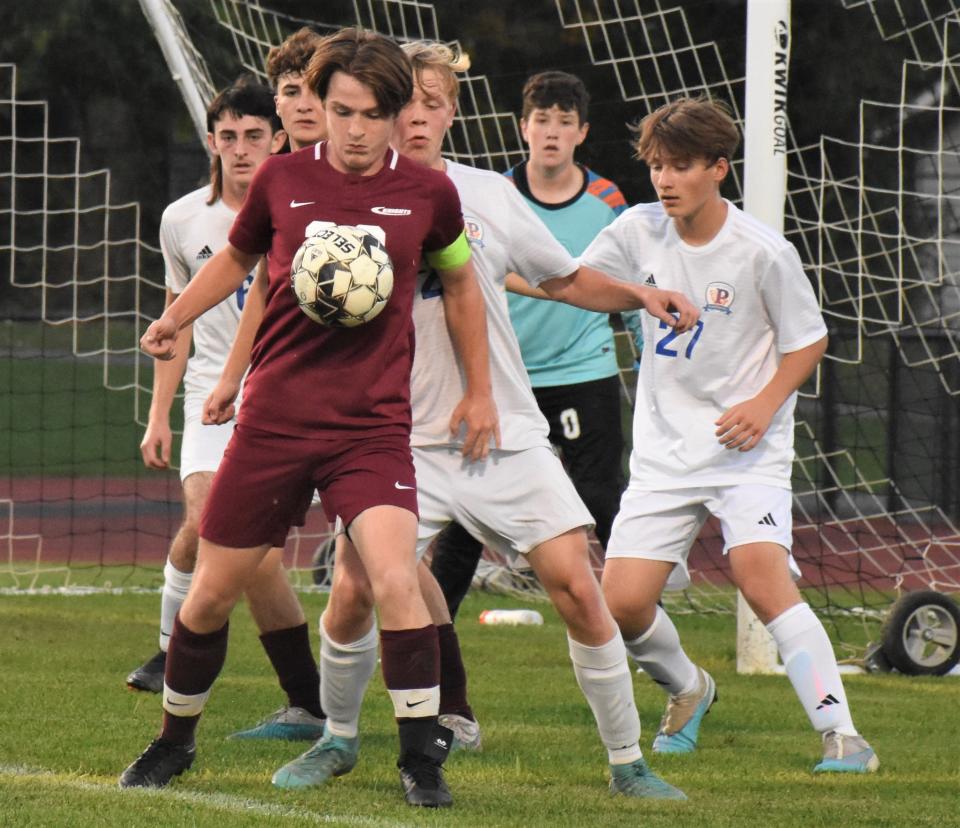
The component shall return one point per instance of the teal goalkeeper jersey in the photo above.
(560, 344)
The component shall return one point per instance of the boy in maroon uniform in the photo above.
(329, 409)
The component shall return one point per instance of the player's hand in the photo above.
(671, 307)
(743, 425)
(155, 445)
(219, 407)
(478, 413)
(160, 339)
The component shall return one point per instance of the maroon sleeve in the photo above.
(252, 230)
(447, 215)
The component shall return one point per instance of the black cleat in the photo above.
(158, 764)
(149, 676)
(423, 783)
(424, 745)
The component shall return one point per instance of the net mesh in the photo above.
(874, 219)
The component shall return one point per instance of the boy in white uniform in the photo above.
(243, 131)
(518, 499)
(713, 425)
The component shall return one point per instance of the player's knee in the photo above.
(395, 588)
(208, 606)
(578, 598)
(350, 602)
(345, 621)
(620, 600)
(769, 600)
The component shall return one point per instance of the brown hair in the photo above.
(245, 96)
(446, 61)
(293, 55)
(373, 59)
(554, 88)
(687, 128)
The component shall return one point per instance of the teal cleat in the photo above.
(291, 724)
(330, 756)
(680, 725)
(637, 780)
(846, 754)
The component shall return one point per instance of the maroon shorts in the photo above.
(266, 481)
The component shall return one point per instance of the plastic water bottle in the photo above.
(513, 618)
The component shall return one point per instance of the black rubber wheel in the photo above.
(321, 567)
(921, 636)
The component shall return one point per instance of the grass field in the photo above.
(68, 727)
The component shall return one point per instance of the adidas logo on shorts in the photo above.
(767, 520)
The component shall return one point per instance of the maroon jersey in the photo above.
(309, 380)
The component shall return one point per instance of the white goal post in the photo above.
(764, 196)
(187, 67)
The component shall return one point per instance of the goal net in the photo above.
(871, 206)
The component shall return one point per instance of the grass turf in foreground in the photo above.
(68, 727)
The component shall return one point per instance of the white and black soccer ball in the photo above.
(342, 276)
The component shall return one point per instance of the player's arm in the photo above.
(596, 291)
(219, 407)
(157, 439)
(214, 282)
(466, 315)
(743, 425)
(515, 283)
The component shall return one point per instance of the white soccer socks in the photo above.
(176, 585)
(603, 674)
(659, 653)
(345, 672)
(811, 665)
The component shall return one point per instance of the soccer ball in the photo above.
(342, 276)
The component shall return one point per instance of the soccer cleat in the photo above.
(291, 724)
(466, 732)
(330, 756)
(149, 676)
(846, 754)
(158, 764)
(637, 780)
(423, 784)
(680, 724)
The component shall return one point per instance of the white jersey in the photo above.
(191, 231)
(756, 305)
(505, 235)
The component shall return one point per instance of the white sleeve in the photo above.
(176, 272)
(791, 303)
(610, 253)
(533, 252)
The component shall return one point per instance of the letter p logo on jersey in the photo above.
(719, 297)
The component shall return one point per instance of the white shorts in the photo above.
(662, 525)
(203, 445)
(512, 502)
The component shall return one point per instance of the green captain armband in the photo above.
(451, 256)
